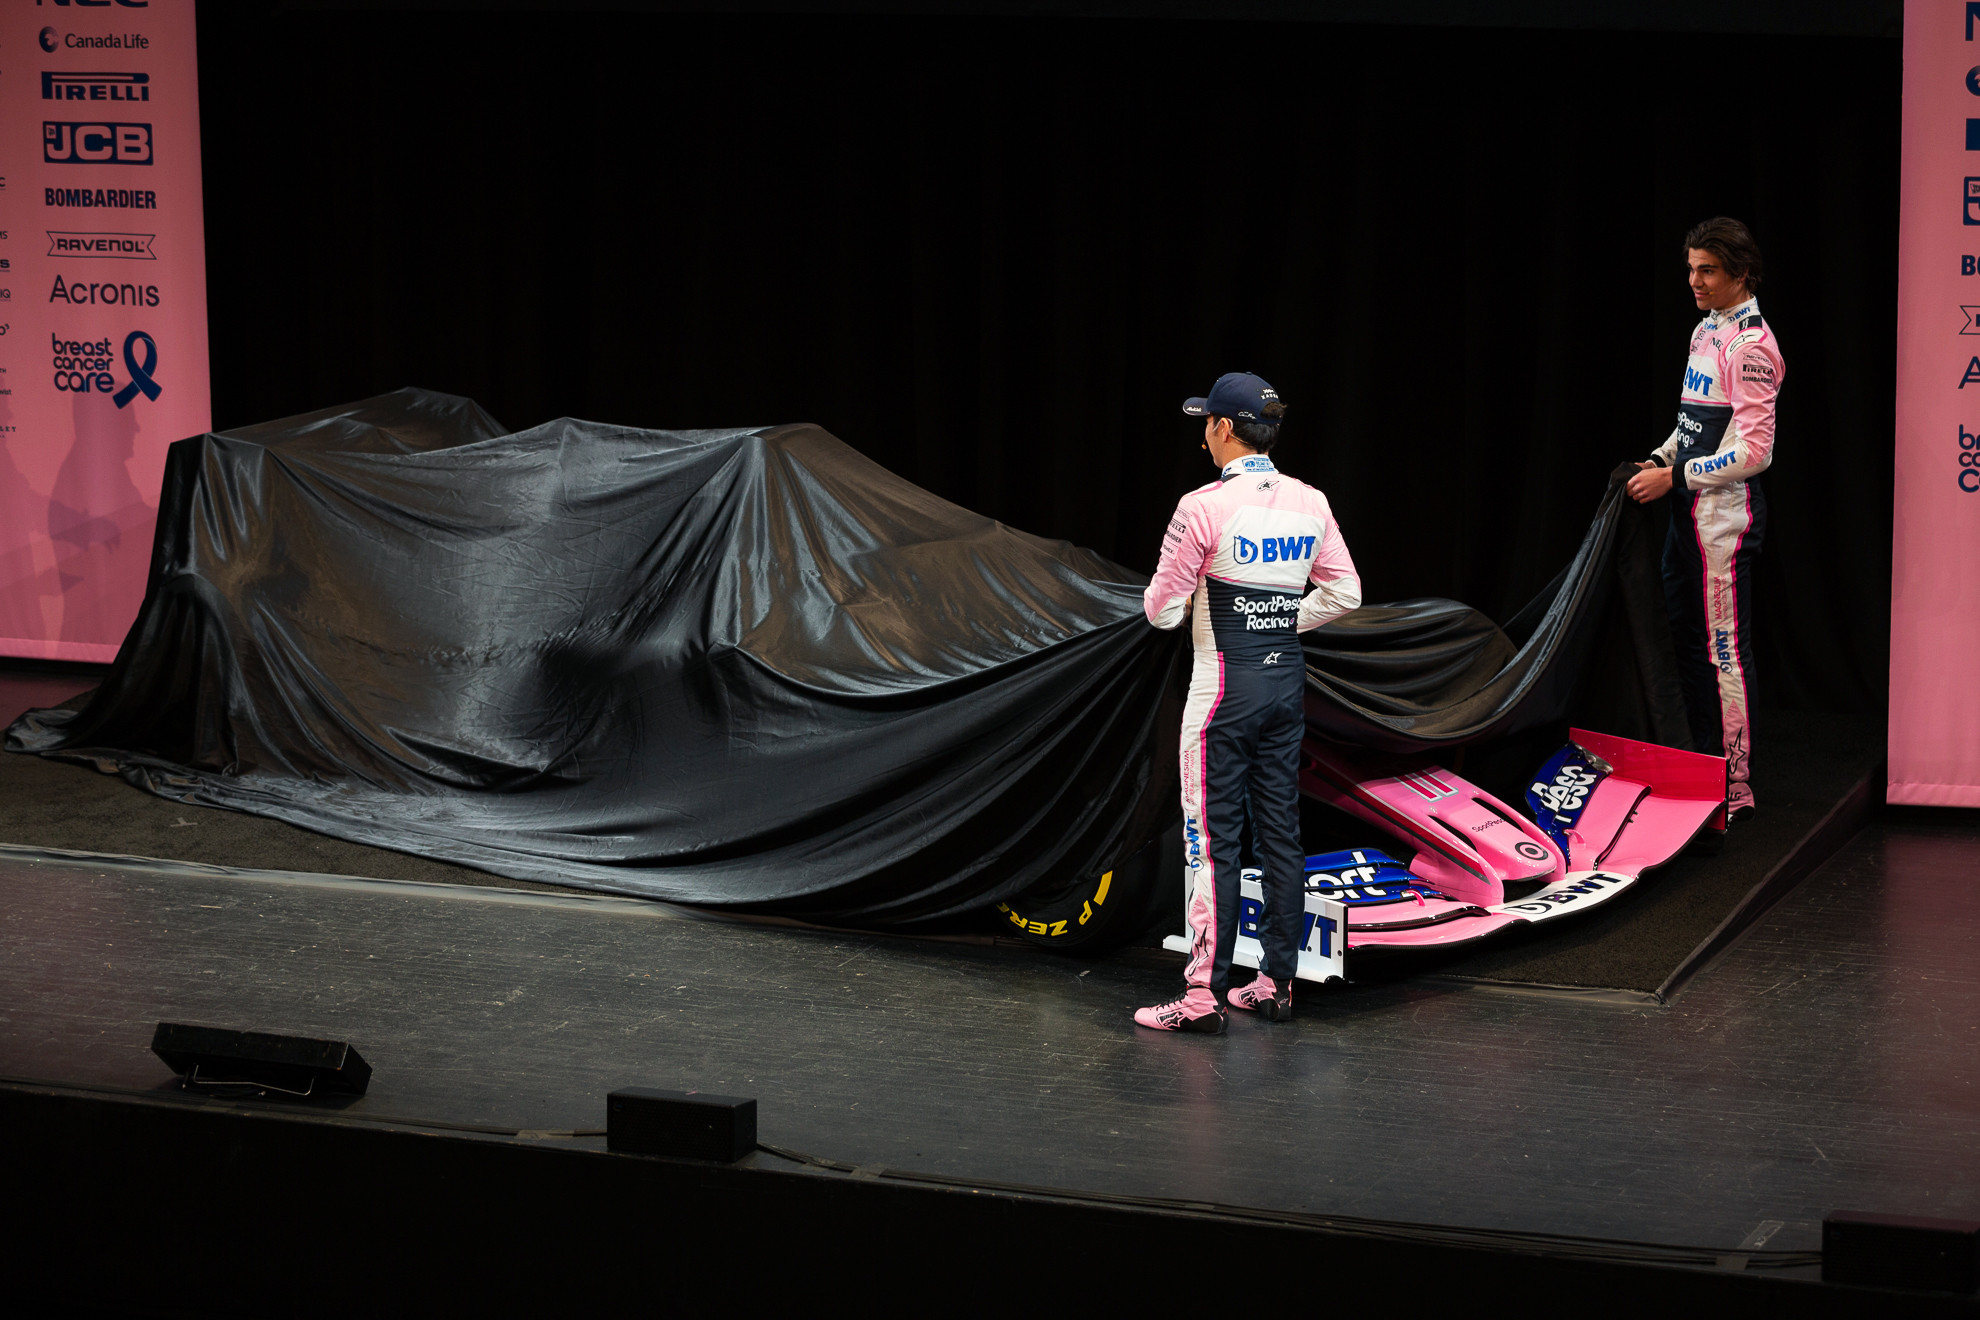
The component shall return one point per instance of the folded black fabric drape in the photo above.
(746, 668)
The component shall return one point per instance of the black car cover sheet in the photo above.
(1422, 676)
(743, 668)
(748, 668)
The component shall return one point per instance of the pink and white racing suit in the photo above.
(1237, 559)
(1724, 440)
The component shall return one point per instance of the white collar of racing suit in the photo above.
(1246, 465)
(1738, 312)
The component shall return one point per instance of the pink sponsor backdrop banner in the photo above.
(103, 307)
(1935, 583)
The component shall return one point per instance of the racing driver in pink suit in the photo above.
(1712, 463)
(1237, 562)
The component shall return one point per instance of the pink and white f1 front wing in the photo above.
(1623, 807)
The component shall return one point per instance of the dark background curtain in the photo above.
(995, 253)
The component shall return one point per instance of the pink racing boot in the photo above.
(1271, 998)
(1197, 1010)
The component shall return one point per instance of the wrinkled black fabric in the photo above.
(1425, 675)
(746, 668)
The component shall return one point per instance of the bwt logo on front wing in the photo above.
(1272, 549)
(95, 144)
(95, 86)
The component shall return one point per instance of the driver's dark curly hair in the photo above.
(1732, 243)
(1260, 435)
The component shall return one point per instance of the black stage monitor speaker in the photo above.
(1901, 1251)
(687, 1123)
(290, 1065)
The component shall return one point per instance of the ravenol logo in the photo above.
(95, 144)
(95, 86)
(1697, 381)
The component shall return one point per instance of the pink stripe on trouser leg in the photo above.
(1727, 529)
(1206, 690)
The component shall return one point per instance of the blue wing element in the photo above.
(1560, 792)
(1361, 876)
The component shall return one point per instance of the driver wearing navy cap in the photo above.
(1250, 561)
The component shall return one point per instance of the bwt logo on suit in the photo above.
(76, 143)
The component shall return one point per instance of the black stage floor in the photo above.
(1827, 1062)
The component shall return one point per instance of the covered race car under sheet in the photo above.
(745, 668)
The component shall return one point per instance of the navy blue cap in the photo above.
(1240, 396)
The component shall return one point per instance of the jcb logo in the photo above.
(95, 144)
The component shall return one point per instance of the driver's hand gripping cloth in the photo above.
(1724, 440)
(1237, 560)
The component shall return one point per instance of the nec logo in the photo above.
(95, 144)
(1272, 549)
(95, 86)
(1697, 381)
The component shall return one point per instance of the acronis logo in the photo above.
(1697, 381)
